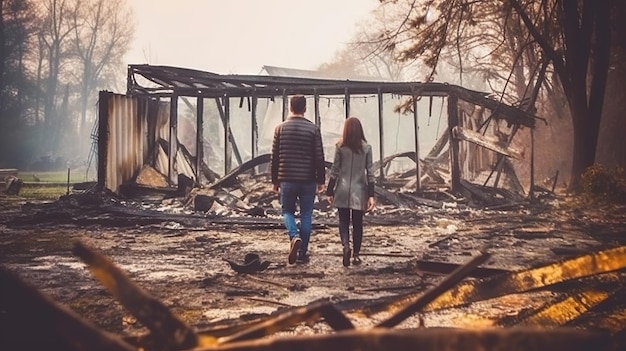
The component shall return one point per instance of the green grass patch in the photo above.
(51, 177)
(43, 192)
(48, 185)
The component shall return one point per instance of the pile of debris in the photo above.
(596, 299)
(10, 184)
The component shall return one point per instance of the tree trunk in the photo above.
(49, 109)
(2, 48)
(586, 116)
(585, 141)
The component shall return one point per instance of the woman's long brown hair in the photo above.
(353, 136)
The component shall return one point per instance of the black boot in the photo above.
(346, 255)
(347, 252)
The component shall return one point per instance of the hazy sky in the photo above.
(241, 36)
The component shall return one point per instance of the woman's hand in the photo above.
(370, 203)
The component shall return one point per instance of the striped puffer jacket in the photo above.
(297, 152)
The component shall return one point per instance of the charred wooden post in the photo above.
(228, 159)
(381, 133)
(316, 104)
(531, 191)
(173, 137)
(199, 138)
(418, 184)
(103, 137)
(499, 163)
(229, 139)
(453, 121)
(254, 127)
(346, 95)
(285, 105)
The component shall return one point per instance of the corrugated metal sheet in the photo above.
(127, 143)
(133, 139)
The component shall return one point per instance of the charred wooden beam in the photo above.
(173, 137)
(499, 110)
(30, 320)
(565, 309)
(455, 164)
(313, 311)
(447, 268)
(427, 297)
(434, 339)
(487, 142)
(170, 330)
(380, 165)
(199, 138)
(230, 178)
(596, 263)
(229, 138)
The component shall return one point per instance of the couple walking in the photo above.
(298, 173)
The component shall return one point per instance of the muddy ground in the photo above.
(180, 261)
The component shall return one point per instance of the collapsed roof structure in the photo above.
(176, 124)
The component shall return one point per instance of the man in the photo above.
(297, 173)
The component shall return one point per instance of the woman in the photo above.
(351, 186)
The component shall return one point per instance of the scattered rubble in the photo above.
(214, 256)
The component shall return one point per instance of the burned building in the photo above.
(177, 126)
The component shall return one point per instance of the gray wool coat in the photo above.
(351, 178)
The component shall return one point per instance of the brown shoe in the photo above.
(293, 249)
(346, 256)
(356, 260)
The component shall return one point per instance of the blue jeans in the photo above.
(302, 194)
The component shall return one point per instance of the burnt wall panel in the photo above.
(126, 142)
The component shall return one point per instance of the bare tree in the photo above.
(375, 60)
(54, 35)
(579, 53)
(103, 30)
(365, 57)
(573, 35)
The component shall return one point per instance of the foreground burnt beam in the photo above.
(433, 267)
(433, 339)
(565, 308)
(171, 332)
(609, 315)
(31, 320)
(431, 294)
(312, 312)
(336, 320)
(596, 263)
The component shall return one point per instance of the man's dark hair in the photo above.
(298, 104)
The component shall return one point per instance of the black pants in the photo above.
(357, 227)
